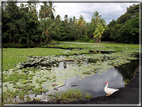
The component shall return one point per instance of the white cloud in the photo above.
(108, 11)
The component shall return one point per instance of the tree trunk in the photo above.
(40, 40)
(9, 38)
(94, 39)
(99, 40)
(78, 36)
(81, 32)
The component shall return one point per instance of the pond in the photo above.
(41, 76)
(94, 84)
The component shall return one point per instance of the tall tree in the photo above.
(49, 28)
(95, 18)
(51, 10)
(66, 18)
(58, 18)
(74, 20)
(44, 10)
(81, 22)
(20, 26)
(101, 26)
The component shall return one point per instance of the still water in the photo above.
(95, 84)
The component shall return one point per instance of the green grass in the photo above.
(12, 56)
(70, 95)
(99, 46)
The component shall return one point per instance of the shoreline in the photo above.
(126, 95)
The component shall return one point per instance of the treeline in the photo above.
(126, 28)
(23, 25)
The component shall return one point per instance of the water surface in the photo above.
(95, 84)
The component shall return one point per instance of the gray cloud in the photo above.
(108, 11)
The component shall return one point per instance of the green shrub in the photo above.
(53, 42)
(86, 38)
(41, 44)
(91, 41)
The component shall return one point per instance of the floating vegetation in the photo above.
(69, 95)
(42, 73)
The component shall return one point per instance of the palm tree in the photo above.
(66, 18)
(74, 20)
(47, 26)
(95, 17)
(51, 10)
(35, 4)
(71, 21)
(100, 29)
(58, 18)
(44, 11)
(31, 8)
(81, 22)
(102, 22)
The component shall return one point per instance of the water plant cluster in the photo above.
(103, 46)
(69, 95)
(40, 73)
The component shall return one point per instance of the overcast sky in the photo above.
(108, 11)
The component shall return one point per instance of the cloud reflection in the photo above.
(95, 84)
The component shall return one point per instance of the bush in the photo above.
(41, 44)
(53, 42)
(91, 41)
(86, 39)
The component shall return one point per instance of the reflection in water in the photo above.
(127, 70)
(95, 84)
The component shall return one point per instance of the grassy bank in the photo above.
(11, 56)
(100, 46)
(34, 79)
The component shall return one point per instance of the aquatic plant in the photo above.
(37, 99)
(21, 95)
(87, 72)
(126, 81)
(42, 72)
(69, 95)
(87, 95)
(28, 98)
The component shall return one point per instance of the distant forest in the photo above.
(22, 25)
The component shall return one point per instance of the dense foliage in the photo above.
(126, 28)
(23, 25)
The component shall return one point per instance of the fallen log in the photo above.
(66, 60)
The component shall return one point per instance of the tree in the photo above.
(100, 29)
(51, 10)
(118, 30)
(66, 18)
(44, 11)
(47, 25)
(81, 22)
(58, 18)
(129, 34)
(98, 32)
(71, 21)
(10, 11)
(95, 18)
(49, 28)
(20, 26)
(74, 20)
